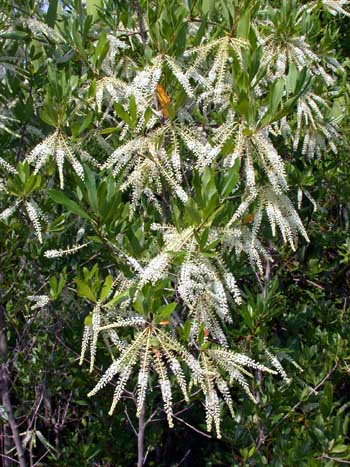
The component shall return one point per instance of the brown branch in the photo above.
(192, 427)
(141, 438)
(184, 458)
(4, 389)
(130, 421)
(142, 29)
(335, 459)
(11, 459)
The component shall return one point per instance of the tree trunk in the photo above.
(4, 391)
(141, 438)
(6, 445)
(142, 29)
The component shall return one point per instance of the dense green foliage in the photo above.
(298, 307)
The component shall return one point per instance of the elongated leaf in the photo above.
(231, 179)
(166, 310)
(52, 13)
(83, 290)
(71, 205)
(106, 288)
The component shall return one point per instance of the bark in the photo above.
(141, 438)
(142, 29)
(6, 445)
(5, 393)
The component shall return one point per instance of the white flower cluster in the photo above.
(277, 365)
(34, 216)
(199, 146)
(38, 27)
(33, 212)
(7, 166)
(115, 89)
(281, 213)
(242, 240)
(40, 301)
(215, 81)
(152, 167)
(293, 48)
(151, 348)
(60, 253)
(311, 122)
(335, 7)
(214, 362)
(203, 291)
(115, 45)
(179, 75)
(60, 148)
(257, 147)
(6, 213)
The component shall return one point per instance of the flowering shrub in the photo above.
(160, 142)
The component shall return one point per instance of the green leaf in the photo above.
(231, 178)
(19, 35)
(83, 290)
(326, 402)
(276, 95)
(90, 183)
(32, 183)
(243, 104)
(207, 6)
(58, 224)
(251, 451)
(186, 329)
(57, 286)
(291, 79)
(86, 122)
(107, 131)
(192, 212)
(117, 298)
(72, 206)
(49, 115)
(201, 334)
(101, 49)
(92, 7)
(106, 288)
(165, 311)
(133, 111)
(243, 25)
(52, 13)
(339, 448)
(139, 303)
(122, 113)
(208, 184)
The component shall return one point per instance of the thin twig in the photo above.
(42, 457)
(192, 427)
(336, 459)
(318, 286)
(9, 458)
(150, 418)
(184, 457)
(312, 391)
(129, 420)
